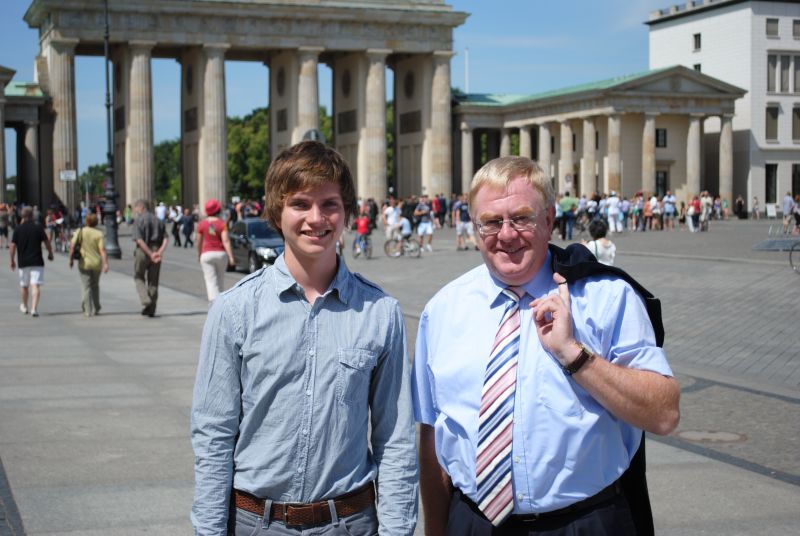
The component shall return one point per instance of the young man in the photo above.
(424, 213)
(302, 397)
(529, 417)
(27, 245)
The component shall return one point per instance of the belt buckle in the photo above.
(284, 513)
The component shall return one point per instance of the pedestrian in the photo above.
(613, 206)
(601, 247)
(187, 228)
(555, 407)
(26, 245)
(5, 222)
(669, 201)
(294, 432)
(424, 214)
(214, 249)
(93, 259)
(175, 218)
(788, 210)
(149, 234)
(755, 209)
(682, 216)
(464, 226)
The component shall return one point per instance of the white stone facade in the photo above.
(734, 47)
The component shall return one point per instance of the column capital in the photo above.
(31, 123)
(142, 45)
(377, 53)
(727, 116)
(310, 51)
(651, 114)
(216, 46)
(465, 128)
(697, 116)
(64, 44)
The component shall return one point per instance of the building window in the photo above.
(697, 41)
(662, 182)
(696, 67)
(796, 123)
(772, 66)
(796, 179)
(771, 183)
(597, 140)
(552, 145)
(661, 137)
(573, 143)
(772, 122)
(785, 60)
(772, 27)
(797, 74)
(796, 28)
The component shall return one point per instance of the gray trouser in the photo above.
(90, 283)
(145, 274)
(363, 523)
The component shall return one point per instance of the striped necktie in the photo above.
(496, 417)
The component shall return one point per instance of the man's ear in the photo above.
(550, 217)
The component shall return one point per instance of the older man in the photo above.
(532, 394)
(150, 236)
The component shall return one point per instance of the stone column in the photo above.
(307, 92)
(726, 159)
(525, 145)
(61, 66)
(566, 164)
(375, 138)
(693, 148)
(614, 153)
(544, 149)
(649, 154)
(467, 159)
(589, 163)
(139, 161)
(31, 165)
(214, 136)
(440, 180)
(505, 141)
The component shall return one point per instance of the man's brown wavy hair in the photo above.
(302, 167)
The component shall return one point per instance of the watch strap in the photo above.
(579, 361)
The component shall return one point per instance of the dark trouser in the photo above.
(607, 518)
(145, 274)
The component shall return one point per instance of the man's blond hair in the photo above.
(499, 173)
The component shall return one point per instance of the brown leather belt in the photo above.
(308, 514)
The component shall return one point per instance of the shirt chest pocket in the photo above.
(353, 375)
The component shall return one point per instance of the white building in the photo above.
(754, 45)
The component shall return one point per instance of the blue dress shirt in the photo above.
(566, 446)
(287, 391)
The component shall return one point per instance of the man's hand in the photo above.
(553, 320)
(50, 256)
(13, 265)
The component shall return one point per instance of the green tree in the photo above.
(168, 174)
(94, 178)
(326, 125)
(248, 153)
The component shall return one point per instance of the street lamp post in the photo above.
(110, 205)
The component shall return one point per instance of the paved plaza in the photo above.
(94, 413)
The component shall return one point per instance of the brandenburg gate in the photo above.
(358, 39)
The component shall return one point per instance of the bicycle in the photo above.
(395, 247)
(362, 244)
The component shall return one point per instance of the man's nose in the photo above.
(507, 231)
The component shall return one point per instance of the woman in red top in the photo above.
(213, 249)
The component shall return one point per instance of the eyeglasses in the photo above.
(519, 223)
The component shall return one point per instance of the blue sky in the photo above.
(515, 46)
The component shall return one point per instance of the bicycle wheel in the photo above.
(391, 248)
(413, 249)
(794, 257)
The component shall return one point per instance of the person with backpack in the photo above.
(532, 394)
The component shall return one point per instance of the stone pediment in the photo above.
(677, 81)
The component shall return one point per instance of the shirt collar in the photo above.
(539, 286)
(341, 283)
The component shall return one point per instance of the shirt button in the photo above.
(516, 459)
(305, 431)
(300, 470)
(520, 496)
(311, 352)
(308, 392)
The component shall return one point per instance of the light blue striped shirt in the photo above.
(566, 446)
(290, 396)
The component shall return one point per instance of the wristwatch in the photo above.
(579, 361)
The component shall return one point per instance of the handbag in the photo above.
(76, 252)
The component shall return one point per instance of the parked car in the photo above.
(254, 244)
